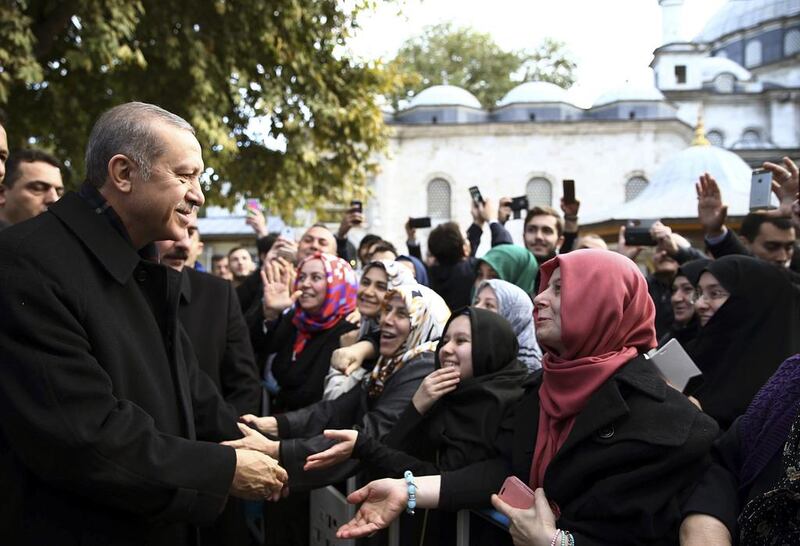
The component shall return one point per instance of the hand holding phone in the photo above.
(637, 233)
(569, 191)
(761, 190)
(415, 223)
(476, 195)
(253, 207)
(515, 493)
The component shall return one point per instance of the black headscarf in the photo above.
(465, 422)
(748, 337)
(685, 333)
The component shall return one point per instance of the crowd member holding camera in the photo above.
(613, 448)
(353, 217)
(749, 315)
(768, 235)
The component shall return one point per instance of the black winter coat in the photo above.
(102, 406)
(633, 454)
(302, 381)
(209, 310)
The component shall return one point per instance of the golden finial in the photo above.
(700, 130)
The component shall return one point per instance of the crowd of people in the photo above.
(146, 401)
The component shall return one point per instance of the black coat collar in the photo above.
(115, 254)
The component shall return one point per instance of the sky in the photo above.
(612, 41)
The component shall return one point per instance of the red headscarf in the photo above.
(340, 299)
(607, 318)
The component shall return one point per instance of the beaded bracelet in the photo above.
(412, 492)
(566, 538)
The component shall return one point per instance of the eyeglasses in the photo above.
(712, 294)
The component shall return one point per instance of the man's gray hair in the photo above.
(127, 129)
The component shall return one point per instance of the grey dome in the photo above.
(741, 14)
(444, 95)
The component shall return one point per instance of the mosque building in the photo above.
(633, 153)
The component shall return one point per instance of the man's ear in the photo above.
(120, 173)
(560, 242)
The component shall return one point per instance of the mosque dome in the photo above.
(671, 192)
(531, 92)
(629, 92)
(444, 95)
(737, 15)
(712, 67)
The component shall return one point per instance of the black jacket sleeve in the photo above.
(687, 254)
(730, 244)
(375, 421)
(569, 242)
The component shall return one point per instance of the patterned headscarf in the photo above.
(428, 314)
(340, 299)
(516, 307)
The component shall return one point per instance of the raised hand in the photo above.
(785, 185)
(411, 233)
(383, 501)
(335, 454)
(710, 210)
(255, 219)
(255, 441)
(664, 236)
(435, 385)
(504, 210)
(345, 360)
(266, 425)
(277, 277)
(535, 526)
(257, 476)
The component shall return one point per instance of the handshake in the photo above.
(258, 475)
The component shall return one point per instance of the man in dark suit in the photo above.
(209, 311)
(108, 431)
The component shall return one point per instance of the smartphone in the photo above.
(518, 204)
(515, 493)
(675, 364)
(356, 206)
(476, 195)
(424, 222)
(288, 254)
(761, 190)
(253, 206)
(569, 190)
(637, 233)
(287, 233)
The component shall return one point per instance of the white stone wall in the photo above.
(501, 158)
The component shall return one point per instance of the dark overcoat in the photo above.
(108, 432)
(209, 310)
(631, 458)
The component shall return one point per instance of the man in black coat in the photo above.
(209, 311)
(108, 431)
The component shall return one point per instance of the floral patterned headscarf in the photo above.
(428, 314)
(340, 299)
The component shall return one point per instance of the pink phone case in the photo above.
(515, 493)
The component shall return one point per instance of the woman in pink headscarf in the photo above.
(607, 446)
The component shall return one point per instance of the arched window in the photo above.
(540, 192)
(716, 138)
(791, 42)
(752, 53)
(439, 199)
(751, 138)
(725, 82)
(634, 186)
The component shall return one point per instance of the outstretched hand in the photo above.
(345, 360)
(335, 454)
(383, 501)
(535, 526)
(785, 186)
(630, 251)
(277, 277)
(254, 441)
(266, 425)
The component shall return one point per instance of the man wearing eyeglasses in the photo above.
(32, 183)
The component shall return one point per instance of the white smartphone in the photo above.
(675, 364)
(761, 190)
